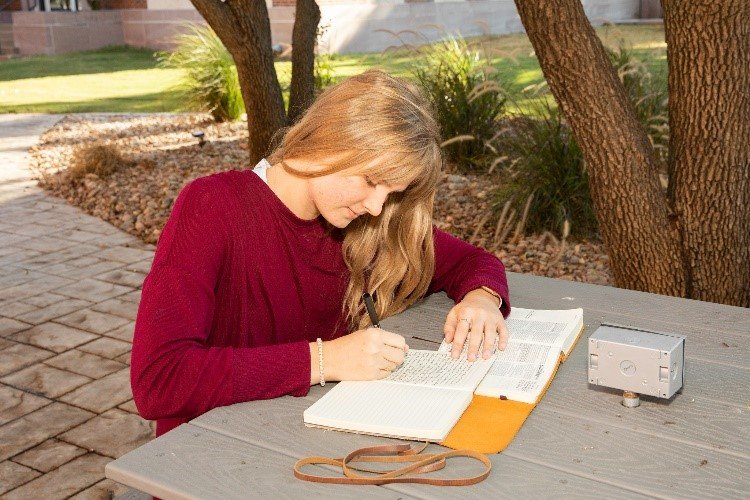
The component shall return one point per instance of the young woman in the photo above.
(255, 289)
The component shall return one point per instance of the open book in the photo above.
(536, 340)
(428, 393)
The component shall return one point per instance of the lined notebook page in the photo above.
(378, 407)
(439, 369)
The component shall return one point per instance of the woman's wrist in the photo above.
(314, 372)
(486, 293)
(324, 369)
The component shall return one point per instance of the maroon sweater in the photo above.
(239, 287)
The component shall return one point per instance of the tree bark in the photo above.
(636, 223)
(304, 34)
(245, 30)
(708, 52)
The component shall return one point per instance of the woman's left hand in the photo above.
(478, 318)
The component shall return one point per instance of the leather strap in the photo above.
(395, 453)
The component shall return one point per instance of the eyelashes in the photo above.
(372, 183)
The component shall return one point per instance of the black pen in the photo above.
(370, 306)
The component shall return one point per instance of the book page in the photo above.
(544, 332)
(388, 409)
(548, 327)
(536, 338)
(520, 372)
(438, 369)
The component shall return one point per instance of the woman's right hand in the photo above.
(366, 354)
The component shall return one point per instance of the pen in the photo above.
(370, 306)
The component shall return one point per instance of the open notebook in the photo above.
(424, 398)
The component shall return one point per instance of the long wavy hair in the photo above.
(379, 126)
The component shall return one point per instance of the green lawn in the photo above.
(110, 79)
(123, 79)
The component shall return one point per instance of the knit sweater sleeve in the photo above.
(461, 268)
(174, 372)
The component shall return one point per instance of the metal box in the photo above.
(634, 360)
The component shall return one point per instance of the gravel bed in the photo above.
(162, 156)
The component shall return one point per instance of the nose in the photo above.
(375, 200)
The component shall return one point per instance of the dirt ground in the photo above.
(160, 155)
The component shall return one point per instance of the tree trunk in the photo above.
(636, 223)
(245, 30)
(708, 49)
(302, 93)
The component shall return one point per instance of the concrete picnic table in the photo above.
(579, 441)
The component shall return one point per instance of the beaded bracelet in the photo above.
(320, 362)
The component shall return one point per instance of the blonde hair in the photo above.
(381, 127)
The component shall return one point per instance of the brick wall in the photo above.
(351, 29)
(61, 32)
(14, 5)
(292, 3)
(124, 4)
(156, 29)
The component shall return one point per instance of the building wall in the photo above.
(170, 5)
(156, 28)
(61, 32)
(7, 46)
(372, 27)
(186, 4)
(349, 26)
(12, 6)
(125, 4)
(369, 25)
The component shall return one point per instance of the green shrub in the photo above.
(546, 164)
(323, 70)
(210, 83)
(467, 98)
(543, 160)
